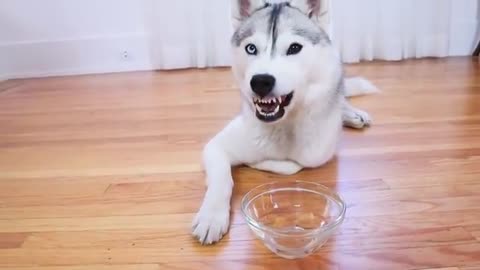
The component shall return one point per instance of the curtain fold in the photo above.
(401, 29)
(185, 33)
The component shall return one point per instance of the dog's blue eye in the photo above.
(251, 49)
(294, 49)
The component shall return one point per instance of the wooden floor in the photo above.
(104, 172)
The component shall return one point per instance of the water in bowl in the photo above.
(290, 220)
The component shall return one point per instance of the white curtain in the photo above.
(187, 33)
(400, 29)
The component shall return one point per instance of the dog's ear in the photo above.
(317, 10)
(242, 9)
(313, 8)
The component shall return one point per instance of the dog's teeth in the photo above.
(276, 109)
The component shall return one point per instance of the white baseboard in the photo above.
(75, 56)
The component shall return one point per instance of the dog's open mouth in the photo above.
(270, 109)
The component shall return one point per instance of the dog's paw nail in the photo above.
(364, 119)
(210, 226)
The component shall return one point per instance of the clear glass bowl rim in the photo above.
(325, 191)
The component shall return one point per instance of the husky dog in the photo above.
(294, 102)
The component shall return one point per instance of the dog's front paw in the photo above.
(363, 118)
(210, 225)
(357, 119)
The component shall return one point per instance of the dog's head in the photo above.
(279, 49)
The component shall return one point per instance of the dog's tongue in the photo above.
(268, 108)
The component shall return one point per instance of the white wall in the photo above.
(465, 28)
(51, 37)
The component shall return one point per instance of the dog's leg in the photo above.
(353, 117)
(220, 154)
(284, 167)
(212, 220)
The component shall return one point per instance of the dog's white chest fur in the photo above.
(308, 138)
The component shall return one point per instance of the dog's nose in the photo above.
(262, 84)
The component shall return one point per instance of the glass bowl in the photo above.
(293, 219)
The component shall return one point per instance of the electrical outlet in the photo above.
(126, 55)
